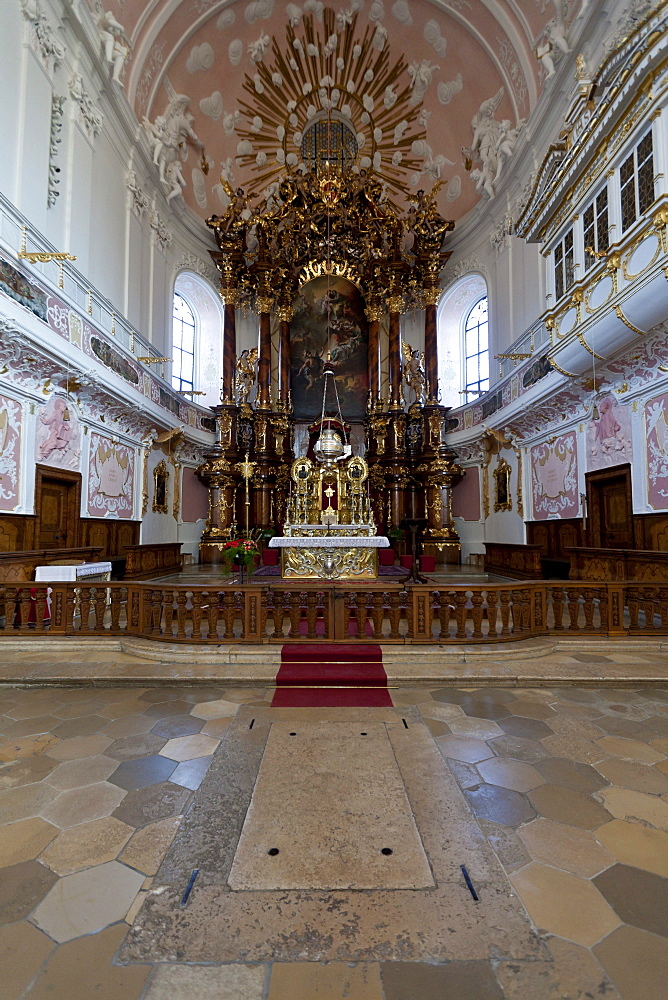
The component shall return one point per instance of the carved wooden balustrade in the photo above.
(372, 613)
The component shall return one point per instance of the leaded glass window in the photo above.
(183, 345)
(595, 220)
(476, 349)
(564, 265)
(636, 178)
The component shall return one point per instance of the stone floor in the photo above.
(563, 789)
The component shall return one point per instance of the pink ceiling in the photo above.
(478, 46)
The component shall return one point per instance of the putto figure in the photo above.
(169, 137)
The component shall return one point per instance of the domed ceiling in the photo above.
(420, 91)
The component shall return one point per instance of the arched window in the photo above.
(183, 345)
(476, 350)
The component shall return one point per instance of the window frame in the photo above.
(633, 181)
(479, 386)
(178, 382)
(563, 259)
(599, 228)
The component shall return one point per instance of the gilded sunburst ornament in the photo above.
(331, 94)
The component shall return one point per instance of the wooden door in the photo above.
(611, 508)
(57, 508)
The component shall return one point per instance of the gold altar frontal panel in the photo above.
(329, 564)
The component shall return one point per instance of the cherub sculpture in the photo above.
(244, 376)
(413, 372)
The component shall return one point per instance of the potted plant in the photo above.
(239, 554)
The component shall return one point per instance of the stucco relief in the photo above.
(10, 453)
(554, 478)
(656, 423)
(609, 435)
(58, 435)
(110, 478)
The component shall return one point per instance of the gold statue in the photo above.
(413, 371)
(244, 376)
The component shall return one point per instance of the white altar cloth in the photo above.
(62, 574)
(330, 542)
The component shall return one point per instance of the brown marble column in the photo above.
(431, 347)
(229, 347)
(373, 314)
(394, 352)
(285, 314)
(264, 364)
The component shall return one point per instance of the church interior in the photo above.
(334, 417)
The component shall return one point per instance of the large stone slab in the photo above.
(224, 921)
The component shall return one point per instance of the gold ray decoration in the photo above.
(327, 73)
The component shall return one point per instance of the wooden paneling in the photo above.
(554, 537)
(17, 532)
(612, 564)
(521, 562)
(111, 534)
(651, 532)
(146, 561)
(19, 567)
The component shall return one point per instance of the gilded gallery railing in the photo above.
(388, 614)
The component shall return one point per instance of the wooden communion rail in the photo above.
(334, 613)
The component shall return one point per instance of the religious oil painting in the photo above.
(329, 321)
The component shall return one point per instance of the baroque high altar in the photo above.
(329, 263)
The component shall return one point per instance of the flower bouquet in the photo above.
(239, 554)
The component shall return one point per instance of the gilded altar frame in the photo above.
(502, 497)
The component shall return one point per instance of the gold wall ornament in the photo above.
(284, 71)
(562, 371)
(333, 268)
(160, 485)
(502, 496)
(176, 499)
(620, 315)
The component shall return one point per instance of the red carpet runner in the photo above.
(323, 674)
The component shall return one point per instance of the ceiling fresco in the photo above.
(422, 90)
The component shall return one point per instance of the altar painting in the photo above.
(554, 478)
(329, 321)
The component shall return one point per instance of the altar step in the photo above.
(314, 676)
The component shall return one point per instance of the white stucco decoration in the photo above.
(432, 34)
(212, 106)
(257, 49)
(235, 50)
(114, 43)
(420, 74)
(446, 91)
(200, 58)
(402, 12)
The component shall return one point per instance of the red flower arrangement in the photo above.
(239, 552)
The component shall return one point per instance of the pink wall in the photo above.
(466, 496)
(195, 498)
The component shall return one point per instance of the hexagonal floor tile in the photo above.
(145, 771)
(189, 747)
